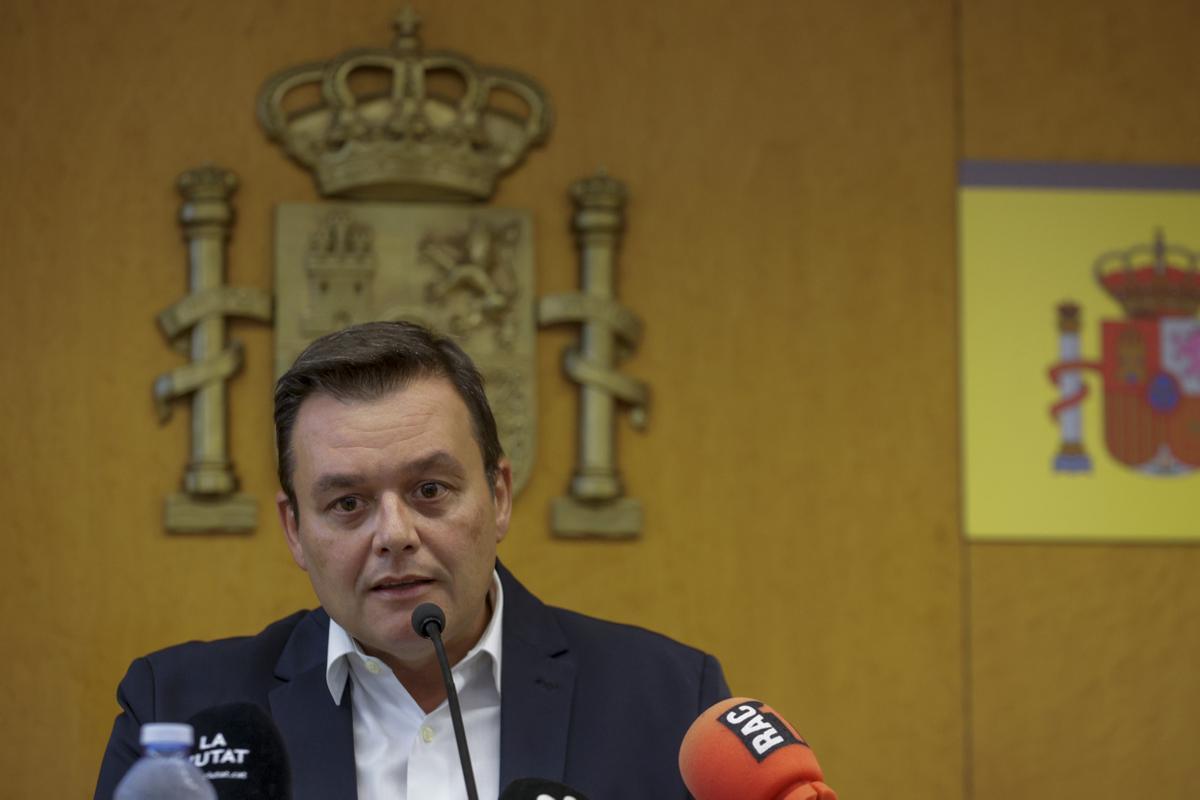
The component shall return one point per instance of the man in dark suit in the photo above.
(395, 492)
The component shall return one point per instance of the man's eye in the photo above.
(431, 490)
(347, 505)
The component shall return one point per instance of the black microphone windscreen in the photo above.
(539, 789)
(240, 751)
(425, 614)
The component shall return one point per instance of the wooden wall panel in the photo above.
(1084, 671)
(790, 246)
(1083, 658)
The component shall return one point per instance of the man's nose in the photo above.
(395, 531)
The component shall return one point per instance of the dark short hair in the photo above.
(365, 362)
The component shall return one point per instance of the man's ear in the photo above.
(291, 528)
(502, 497)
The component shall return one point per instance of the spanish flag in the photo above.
(1080, 347)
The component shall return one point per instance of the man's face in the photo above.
(395, 510)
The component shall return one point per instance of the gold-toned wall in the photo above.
(1083, 659)
(791, 248)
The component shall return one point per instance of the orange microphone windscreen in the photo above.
(740, 749)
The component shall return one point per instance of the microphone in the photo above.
(740, 749)
(240, 751)
(429, 621)
(538, 789)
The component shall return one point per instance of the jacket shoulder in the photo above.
(176, 682)
(635, 694)
(585, 632)
(222, 670)
(662, 666)
(612, 655)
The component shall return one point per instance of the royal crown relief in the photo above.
(404, 234)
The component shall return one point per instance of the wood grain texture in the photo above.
(1076, 80)
(1084, 671)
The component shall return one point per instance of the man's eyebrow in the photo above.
(439, 459)
(432, 462)
(336, 481)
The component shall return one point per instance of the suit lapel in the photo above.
(318, 733)
(537, 683)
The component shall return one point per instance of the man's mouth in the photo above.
(405, 584)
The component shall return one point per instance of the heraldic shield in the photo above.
(465, 271)
(1151, 372)
(1150, 364)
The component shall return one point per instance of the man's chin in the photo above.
(403, 646)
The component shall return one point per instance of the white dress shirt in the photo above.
(400, 752)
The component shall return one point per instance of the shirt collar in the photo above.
(342, 647)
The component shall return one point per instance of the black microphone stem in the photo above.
(460, 733)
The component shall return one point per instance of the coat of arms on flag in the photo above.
(1149, 365)
(1080, 347)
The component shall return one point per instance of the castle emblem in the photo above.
(1150, 364)
(340, 264)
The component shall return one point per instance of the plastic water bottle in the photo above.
(164, 771)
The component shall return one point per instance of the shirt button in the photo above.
(372, 666)
(427, 733)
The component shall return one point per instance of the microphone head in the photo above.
(240, 751)
(538, 789)
(428, 614)
(741, 749)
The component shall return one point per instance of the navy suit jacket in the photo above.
(598, 706)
